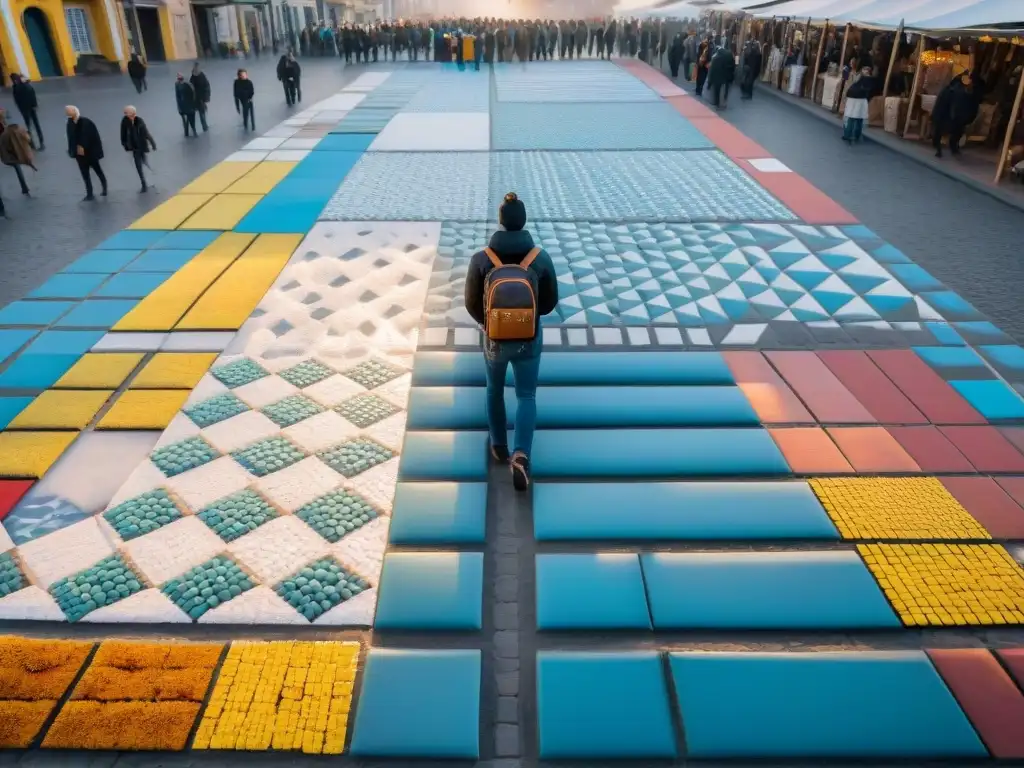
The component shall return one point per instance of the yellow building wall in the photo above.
(8, 59)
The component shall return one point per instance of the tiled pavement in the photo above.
(755, 415)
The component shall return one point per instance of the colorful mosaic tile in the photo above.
(895, 508)
(337, 514)
(355, 456)
(306, 373)
(105, 583)
(365, 410)
(11, 577)
(948, 584)
(268, 456)
(206, 586)
(291, 410)
(239, 373)
(216, 409)
(319, 587)
(373, 373)
(237, 514)
(181, 457)
(143, 514)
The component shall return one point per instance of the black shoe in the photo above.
(88, 198)
(42, 148)
(520, 471)
(145, 188)
(103, 193)
(499, 453)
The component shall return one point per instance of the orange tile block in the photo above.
(872, 449)
(810, 451)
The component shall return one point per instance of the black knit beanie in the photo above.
(512, 213)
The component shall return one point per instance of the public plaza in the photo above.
(247, 502)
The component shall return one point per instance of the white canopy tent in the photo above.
(886, 14)
(816, 10)
(978, 14)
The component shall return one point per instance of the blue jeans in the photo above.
(853, 128)
(525, 360)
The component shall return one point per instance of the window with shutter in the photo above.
(78, 28)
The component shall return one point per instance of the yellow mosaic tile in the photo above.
(144, 409)
(219, 178)
(172, 212)
(229, 301)
(222, 212)
(61, 409)
(30, 454)
(947, 585)
(261, 179)
(281, 695)
(900, 508)
(164, 307)
(174, 370)
(100, 370)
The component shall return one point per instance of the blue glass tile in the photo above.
(950, 357)
(97, 313)
(11, 340)
(161, 261)
(1005, 356)
(992, 398)
(434, 513)
(134, 286)
(945, 334)
(68, 286)
(431, 590)
(859, 232)
(185, 239)
(11, 407)
(591, 591)
(345, 142)
(129, 239)
(63, 343)
(888, 254)
(575, 81)
(36, 371)
(103, 262)
(950, 305)
(915, 278)
(34, 313)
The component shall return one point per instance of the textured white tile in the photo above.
(577, 337)
(197, 341)
(265, 143)
(357, 612)
(300, 143)
(389, 432)
(240, 431)
(288, 155)
(150, 606)
(180, 428)
(31, 604)
(467, 337)
(207, 387)
(434, 337)
(130, 342)
(247, 156)
(746, 334)
(259, 605)
(278, 549)
(378, 484)
(145, 477)
(363, 550)
(64, 552)
(342, 102)
(173, 549)
(263, 392)
(638, 337)
(668, 335)
(368, 80)
(280, 132)
(333, 390)
(769, 165)
(200, 486)
(699, 337)
(552, 337)
(435, 132)
(606, 336)
(297, 485)
(396, 391)
(320, 431)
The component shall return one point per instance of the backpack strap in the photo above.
(525, 263)
(493, 257)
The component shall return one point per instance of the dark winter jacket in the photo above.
(244, 91)
(752, 60)
(83, 134)
(24, 96)
(136, 69)
(956, 104)
(135, 136)
(201, 84)
(723, 68)
(675, 52)
(185, 95)
(863, 88)
(511, 248)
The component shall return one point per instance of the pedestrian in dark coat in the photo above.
(16, 149)
(689, 54)
(289, 73)
(955, 109)
(243, 92)
(675, 55)
(751, 69)
(201, 85)
(136, 138)
(27, 103)
(137, 73)
(720, 76)
(185, 95)
(86, 147)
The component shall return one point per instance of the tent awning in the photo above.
(816, 10)
(979, 14)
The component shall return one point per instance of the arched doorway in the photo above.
(37, 28)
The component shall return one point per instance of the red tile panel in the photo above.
(11, 492)
(821, 391)
(1014, 487)
(930, 449)
(1015, 435)
(810, 451)
(987, 695)
(872, 449)
(801, 197)
(733, 142)
(925, 388)
(985, 448)
(988, 504)
(772, 400)
(1013, 660)
(872, 387)
(689, 107)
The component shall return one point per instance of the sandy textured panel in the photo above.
(222, 212)
(174, 370)
(219, 178)
(100, 371)
(144, 409)
(261, 179)
(171, 213)
(30, 454)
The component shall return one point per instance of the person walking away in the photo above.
(16, 149)
(751, 68)
(675, 56)
(289, 73)
(509, 285)
(580, 37)
(955, 109)
(720, 76)
(86, 147)
(856, 112)
(704, 53)
(136, 138)
(185, 95)
(243, 92)
(201, 85)
(689, 54)
(598, 35)
(552, 40)
(137, 73)
(28, 105)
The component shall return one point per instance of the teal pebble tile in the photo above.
(239, 372)
(337, 514)
(373, 373)
(306, 373)
(11, 577)
(319, 587)
(213, 583)
(109, 581)
(216, 409)
(355, 456)
(268, 456)
(143, 514)
(365, 410)
(291, 410)
(238, 514)
(182, 456)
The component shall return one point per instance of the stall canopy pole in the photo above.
(1009, 129)
(838, 98)
(892, 59)
(817, 59)
(913, 88)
